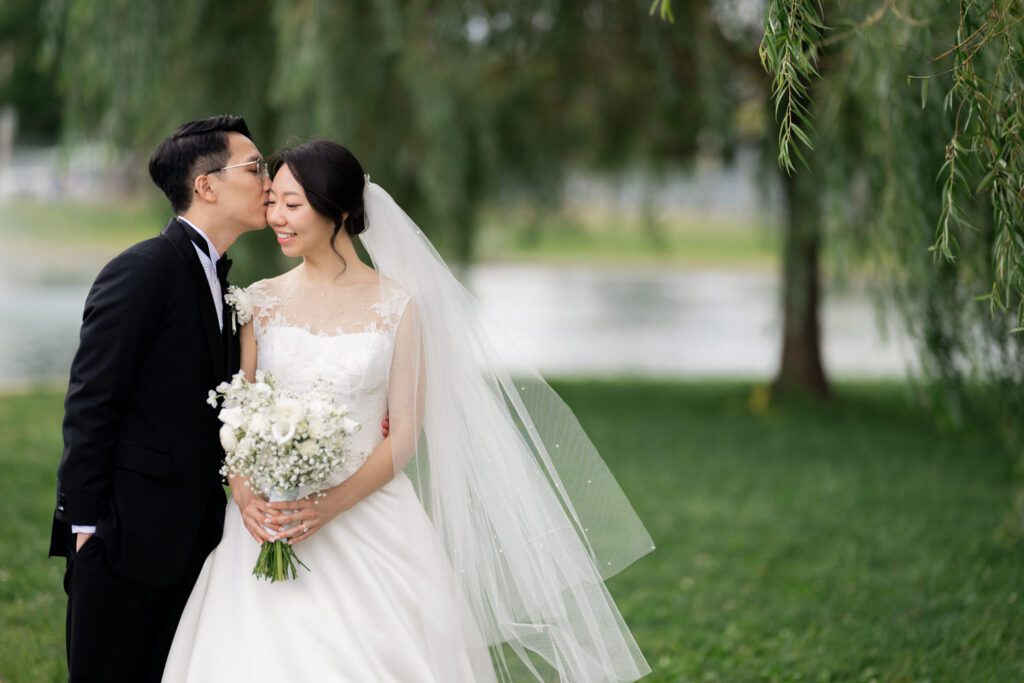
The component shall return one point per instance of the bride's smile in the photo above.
(297, 226)
(300, 229)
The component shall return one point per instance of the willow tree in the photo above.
(891, 95)
(921, 124)
(26, 83)
(801, 368)
(448, 104)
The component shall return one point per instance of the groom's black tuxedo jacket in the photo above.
(141, 448)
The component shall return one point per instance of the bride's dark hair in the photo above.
(333, 180)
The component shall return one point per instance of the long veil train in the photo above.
(528, 513)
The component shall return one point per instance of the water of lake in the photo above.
(565, 320)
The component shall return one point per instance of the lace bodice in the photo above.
(345, 335)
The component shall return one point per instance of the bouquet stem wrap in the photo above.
(277, 560)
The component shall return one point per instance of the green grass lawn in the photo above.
(845, 542)
(511, 234)
(111, 226)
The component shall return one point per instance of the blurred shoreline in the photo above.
(578, 320)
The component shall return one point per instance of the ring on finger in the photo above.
(305, 529)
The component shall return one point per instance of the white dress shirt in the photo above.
(210, 268)
(209, 264)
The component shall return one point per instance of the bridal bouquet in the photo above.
(281, 442)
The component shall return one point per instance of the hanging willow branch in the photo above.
(985, 152)
(664, 10)
(792, 32)
(987, 96)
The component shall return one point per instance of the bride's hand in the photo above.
(254, 510)
(308, 515)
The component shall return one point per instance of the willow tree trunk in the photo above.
(800, 367)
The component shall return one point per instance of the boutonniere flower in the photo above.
(241, 306)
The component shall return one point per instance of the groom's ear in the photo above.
(203, 189)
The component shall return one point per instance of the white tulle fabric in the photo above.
(529, 516)
(379, 599)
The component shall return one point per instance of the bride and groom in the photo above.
(468, 541)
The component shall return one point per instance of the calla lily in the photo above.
(283, 432)
(232, 416)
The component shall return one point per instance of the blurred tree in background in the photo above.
(27, 84)
(904, 92)
(448, 104)
(801, 368)
(911, 94)
(920, 108)
(454, 104)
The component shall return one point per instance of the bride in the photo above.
(471, 543)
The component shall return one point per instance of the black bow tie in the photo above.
(223, 266)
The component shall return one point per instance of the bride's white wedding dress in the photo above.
(488, 562)
(379, 601)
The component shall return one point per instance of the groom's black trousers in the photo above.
(117, 629)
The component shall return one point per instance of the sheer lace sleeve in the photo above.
(405, 383)
(264, 304)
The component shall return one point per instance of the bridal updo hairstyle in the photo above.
(332, 179)
(193, 149)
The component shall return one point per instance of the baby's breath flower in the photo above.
(278, 439)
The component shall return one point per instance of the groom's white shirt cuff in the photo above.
(77, 529)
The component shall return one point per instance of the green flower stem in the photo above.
(277, 562)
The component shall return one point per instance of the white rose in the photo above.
(232, 416)
(318, 428)
(289, 410)
(228, 439)
(258, 423)
(308, 448)
(262, 389)
(283, 432)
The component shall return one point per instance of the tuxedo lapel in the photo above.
(176, 235)
(230, 339)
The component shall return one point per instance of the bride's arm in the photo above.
(247, 340)
(405, 408)
(253, 508)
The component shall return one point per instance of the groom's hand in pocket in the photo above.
(80, 540)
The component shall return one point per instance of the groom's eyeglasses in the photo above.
(261, 167)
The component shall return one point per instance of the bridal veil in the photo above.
(528, 514)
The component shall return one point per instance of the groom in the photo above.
(139, 498)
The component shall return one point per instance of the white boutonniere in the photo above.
(241, 306)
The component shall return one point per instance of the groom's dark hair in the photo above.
(195, 148)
